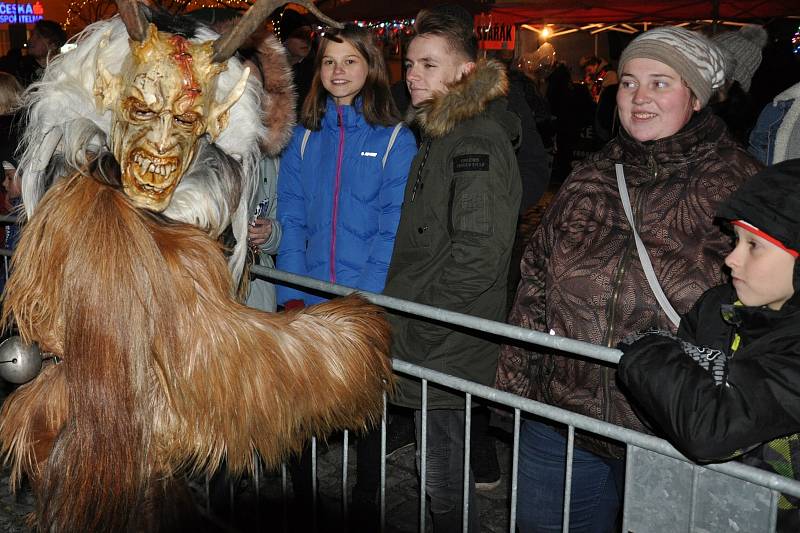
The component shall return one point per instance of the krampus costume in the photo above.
(146, 139)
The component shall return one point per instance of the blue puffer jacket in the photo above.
(338, 206)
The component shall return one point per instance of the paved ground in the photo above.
(266, 511)
(402, 497)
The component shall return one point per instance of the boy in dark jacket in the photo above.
(729, 384)
(455, 236)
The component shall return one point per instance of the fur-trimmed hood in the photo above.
(280, 96)
(466, 99)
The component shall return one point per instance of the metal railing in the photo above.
(664, 491)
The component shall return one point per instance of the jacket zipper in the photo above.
(337, 185)
(612, 306)
(605, 376)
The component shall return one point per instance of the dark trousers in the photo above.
(445, 470)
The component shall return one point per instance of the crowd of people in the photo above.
(673, 225)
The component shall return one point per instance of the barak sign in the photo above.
(496, 35)
(21, 13)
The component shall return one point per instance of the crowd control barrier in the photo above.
(664, 491)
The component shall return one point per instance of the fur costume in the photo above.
(161, 371)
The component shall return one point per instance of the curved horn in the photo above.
(133, 19)
(230, 41)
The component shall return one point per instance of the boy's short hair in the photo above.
(454, 24)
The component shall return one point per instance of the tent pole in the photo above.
(714, 16)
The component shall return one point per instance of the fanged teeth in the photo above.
(154, 168)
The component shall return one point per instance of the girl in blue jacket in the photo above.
(343, 174)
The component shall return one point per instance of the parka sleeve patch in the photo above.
(472, 213)
(471, 163)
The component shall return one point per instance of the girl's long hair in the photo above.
(377, 104)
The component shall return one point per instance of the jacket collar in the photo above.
(756, 322)
(466, 99)
(703, 129)
(351, 115)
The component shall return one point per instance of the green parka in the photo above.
(456, 230)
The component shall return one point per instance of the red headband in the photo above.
(755, 231)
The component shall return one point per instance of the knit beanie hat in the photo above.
(770, 202)
(742, 51)
(694, 57)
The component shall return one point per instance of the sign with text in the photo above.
(496, 35)
(21, 13)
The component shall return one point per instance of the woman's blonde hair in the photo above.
(10, 92)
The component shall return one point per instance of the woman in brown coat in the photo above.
(581, 273)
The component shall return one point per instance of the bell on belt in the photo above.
(19, 362)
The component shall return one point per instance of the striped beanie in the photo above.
(694, 57)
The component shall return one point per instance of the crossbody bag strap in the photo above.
(644, 257)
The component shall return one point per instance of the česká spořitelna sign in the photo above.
(21, 13)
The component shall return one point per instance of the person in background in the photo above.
(582, 276)
(573, 112)
(10, 92)
(10, 124)
(10, 62)
(776, 135)
(44, 43)
(728, 385)
(534, 169)
(732, 103)
(531, 156)
(341, 187)
(597, 75)
(264, 235)
(455, 236)
(297, 36)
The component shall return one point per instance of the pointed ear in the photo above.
(218, 116)
(106, 85)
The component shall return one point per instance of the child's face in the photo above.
(11, 184)
(343, 71)
(762, 272)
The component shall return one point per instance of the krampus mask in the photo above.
(162, 104)
(141, 150)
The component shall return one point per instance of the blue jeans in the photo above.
(445, 470)
(597, 484)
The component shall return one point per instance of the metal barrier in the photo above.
(664, 491)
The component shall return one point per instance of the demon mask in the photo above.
(162, 101)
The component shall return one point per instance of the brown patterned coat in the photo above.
(581, 276)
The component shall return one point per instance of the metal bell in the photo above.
(19, 362)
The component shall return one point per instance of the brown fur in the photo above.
(279, 103)
(162, 370)
(466, 98)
